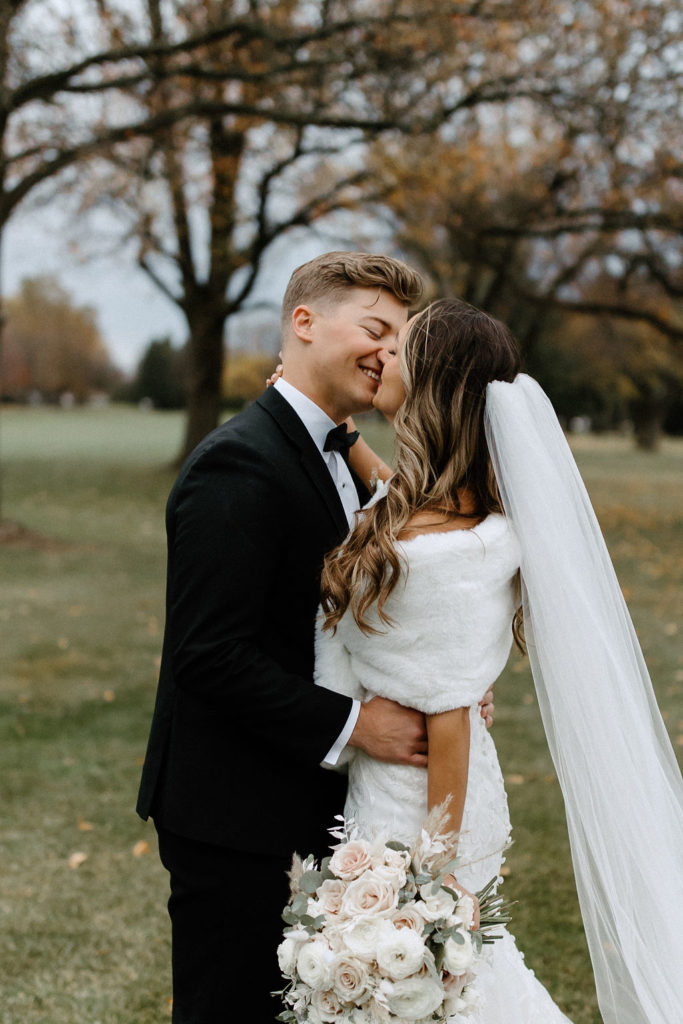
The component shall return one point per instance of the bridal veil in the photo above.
(622, 787)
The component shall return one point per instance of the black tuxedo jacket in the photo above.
(239, 728)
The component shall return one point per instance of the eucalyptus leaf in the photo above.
(310, 881)
(394, 844)
(300, 904)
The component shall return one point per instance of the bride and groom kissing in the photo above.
(418, 607)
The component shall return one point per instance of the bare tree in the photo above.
(281, 112)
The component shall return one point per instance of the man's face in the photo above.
(346, 340)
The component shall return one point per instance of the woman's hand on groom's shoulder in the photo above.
(389, 732)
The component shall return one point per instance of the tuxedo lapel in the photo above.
(312, 461)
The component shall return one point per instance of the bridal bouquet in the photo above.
(375, 936)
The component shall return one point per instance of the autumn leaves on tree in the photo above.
(527, 156)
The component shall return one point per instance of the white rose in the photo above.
(400, 952)
(396, 858)
(408, 917)
(327, 1006)
(350, 860)
(314, 963)
(352, 981)
(413, 998)
(458, 955)
(370, 894)
(363, 936)
(395, 875)
(437, 906)
(330, 895)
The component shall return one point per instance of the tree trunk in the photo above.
(206, 358)
(648, 413)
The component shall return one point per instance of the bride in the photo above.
(421, 605)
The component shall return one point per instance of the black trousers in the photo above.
(225, 908)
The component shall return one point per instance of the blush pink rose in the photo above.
(350, 860)
(369, 894)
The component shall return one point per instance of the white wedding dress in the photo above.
(450, 640)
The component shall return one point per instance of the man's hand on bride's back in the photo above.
(389, 732)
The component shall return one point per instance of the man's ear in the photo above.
(302, 323)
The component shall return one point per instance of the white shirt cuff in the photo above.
(331, 759)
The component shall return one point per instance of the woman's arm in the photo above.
(448, 739)
(366, 463)
(448, 736)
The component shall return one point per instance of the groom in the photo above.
(234, 775)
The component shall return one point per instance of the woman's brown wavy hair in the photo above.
(451, 352)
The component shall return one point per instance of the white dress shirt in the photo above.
(318, 424)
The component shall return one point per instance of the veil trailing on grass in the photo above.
(622, 788)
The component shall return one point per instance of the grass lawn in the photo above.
(84, 934)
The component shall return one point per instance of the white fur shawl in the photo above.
(452, 634)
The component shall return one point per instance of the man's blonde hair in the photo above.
(329, 277)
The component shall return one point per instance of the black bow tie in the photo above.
(340, 440)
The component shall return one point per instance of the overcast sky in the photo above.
(130, 310)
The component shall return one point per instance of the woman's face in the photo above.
(391, 393)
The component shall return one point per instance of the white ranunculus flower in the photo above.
(352, 981)
(458, 955)
(350, 860)
(330, 895)
(369, 894)
(362, 937)
(434, 907)
(314, 963)
(400, 952)
(413, 998)
(327, 1006)
(464, 910)
(288, 950)
(287, 953)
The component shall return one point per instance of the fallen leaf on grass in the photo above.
(84, 826)
(141, 848)
(108, 696)
(77, 858)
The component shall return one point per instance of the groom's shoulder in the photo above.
(250, 435)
